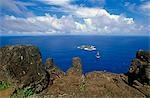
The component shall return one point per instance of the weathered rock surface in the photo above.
(143, 55)
(53, 70)
(139, 72)
(76, 68)
(140, 68)
(22, 65)
(91, 85)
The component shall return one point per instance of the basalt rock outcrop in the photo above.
(140, 68)
(22, 65)
(53, 70)
(76, 68)
(96, 84)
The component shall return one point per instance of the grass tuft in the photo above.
(4, 85)
(23, 93)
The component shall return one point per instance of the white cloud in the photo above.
(145, 8)
(57, 2)
(146, 5)
(68, 2)
(79, 20)
(101, 22)
(90, 12)
(142, 9)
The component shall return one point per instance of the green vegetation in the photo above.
(109, 94)
(23, 93)
(20, 93)
(4, 85)
(82, 87)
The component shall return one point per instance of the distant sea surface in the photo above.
(116, 51)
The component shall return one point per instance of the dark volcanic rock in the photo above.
(143, 55)
(76, 68)
(22, 65)
(140, 68)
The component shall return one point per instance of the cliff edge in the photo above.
(22, 66)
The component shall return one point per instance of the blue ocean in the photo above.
(116, 51)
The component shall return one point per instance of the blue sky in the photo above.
(75, 17)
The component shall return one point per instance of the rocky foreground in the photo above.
(24, 75)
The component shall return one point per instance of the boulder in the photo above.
(140, 68)
(22, 65)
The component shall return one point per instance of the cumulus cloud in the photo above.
(89, 12)
(100, 22)
(78, 21)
